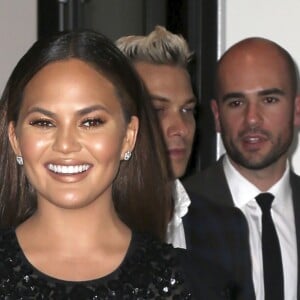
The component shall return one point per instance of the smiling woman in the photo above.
(85, 197)
(73, 100)
(70, 133)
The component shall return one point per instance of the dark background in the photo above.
(196, 20)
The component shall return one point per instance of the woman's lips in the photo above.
(68, 173)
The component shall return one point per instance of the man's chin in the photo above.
(253, 163)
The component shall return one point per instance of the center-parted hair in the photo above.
(159, 47)
(142, 188)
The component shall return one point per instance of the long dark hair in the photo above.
(142, 188)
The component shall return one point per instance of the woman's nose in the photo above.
(66, 140)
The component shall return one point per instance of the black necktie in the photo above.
(272, 264)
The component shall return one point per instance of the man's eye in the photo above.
(42, 123)
(270, 100)
(189, 110)
(159, 109)
(235, 103)
(92, 122)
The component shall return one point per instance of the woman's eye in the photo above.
(92, 122)
(41, 123)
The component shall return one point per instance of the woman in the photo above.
(83, 186)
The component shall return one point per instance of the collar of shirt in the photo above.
(175, 230)
(181, 203)
(243, 191)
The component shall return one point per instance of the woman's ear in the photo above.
(13, 138)
(130, 137)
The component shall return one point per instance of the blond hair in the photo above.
(158, 47)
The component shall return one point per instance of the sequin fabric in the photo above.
(150, 270)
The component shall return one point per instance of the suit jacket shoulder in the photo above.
(295, 185)
(211, 184)
(220, 234)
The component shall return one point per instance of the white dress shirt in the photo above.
(243, 193)
(175, 230)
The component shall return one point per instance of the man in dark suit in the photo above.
(216, 234)
(255, 110)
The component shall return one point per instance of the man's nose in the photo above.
(253, 114)
(177, 125)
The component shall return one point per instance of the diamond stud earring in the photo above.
(19, 160)
(127, 155)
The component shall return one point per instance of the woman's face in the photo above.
(71, 134)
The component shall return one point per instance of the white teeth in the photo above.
(253, 140)
(68, 169)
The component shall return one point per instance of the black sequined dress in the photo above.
(150, 270)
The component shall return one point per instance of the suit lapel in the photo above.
(217, 188)
(186, 220)
(295, 184)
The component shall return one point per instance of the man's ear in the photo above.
(13, 138)
(130, 136)
(297, 112)
(215, 109)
